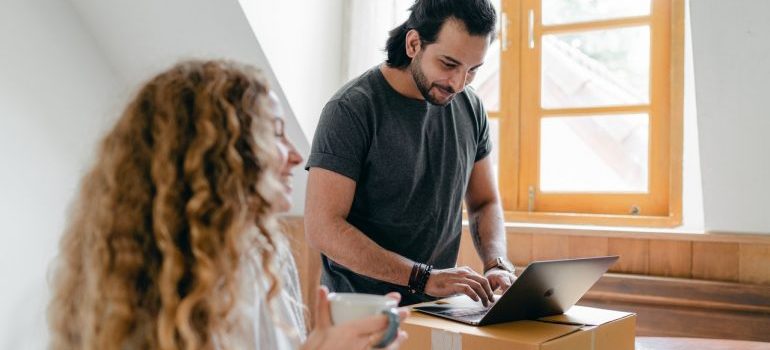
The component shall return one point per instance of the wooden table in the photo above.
(670, 343)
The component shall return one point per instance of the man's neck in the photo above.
(402, 81)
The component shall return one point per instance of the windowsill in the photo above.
(602, 220)
(630, 232)
(616, 232)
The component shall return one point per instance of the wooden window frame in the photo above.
(519, 152)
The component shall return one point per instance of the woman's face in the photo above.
(288, 156)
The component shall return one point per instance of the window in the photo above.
(587, 98)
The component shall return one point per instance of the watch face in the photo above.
(502, 263)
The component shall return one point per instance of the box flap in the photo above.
(527, 332)
(583, 315)
(531, 332)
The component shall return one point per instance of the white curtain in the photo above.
(366, 27)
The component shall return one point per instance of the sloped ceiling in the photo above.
(142, 37)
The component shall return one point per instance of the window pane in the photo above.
(594, 154)
(487, 80)
(571, 11)
(596, 68)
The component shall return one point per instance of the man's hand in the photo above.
(499, 278)
(447, 282)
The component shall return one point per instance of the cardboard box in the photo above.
(580, 328)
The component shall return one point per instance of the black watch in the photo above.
(500, 263)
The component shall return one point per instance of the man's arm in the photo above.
(485, 216)
(328, 202)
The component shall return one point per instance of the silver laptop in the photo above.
(544, 288)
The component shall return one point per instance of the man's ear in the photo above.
(413, 43)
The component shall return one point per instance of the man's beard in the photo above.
(423, 84)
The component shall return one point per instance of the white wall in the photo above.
(57, 94)
(303, 43)
(692, 185)
(143, 37)
(731, 42)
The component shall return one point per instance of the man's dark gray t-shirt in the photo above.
(411, 162)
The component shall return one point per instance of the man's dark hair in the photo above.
(428, 16)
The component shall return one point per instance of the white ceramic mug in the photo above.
(346, 307)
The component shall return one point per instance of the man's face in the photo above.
(444, 68)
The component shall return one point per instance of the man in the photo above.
(394, 152)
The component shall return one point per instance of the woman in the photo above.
(172, 241)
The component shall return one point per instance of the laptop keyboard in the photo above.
(466, 312)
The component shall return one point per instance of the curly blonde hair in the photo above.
(180, 190)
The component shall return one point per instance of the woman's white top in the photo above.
(280, 324)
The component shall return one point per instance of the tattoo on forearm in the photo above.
(475, 231)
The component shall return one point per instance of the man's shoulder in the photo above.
(359, 98)
(359, 89)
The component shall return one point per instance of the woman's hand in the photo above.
(359, 334)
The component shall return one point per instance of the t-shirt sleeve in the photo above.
(340, 141)
(484, 147)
